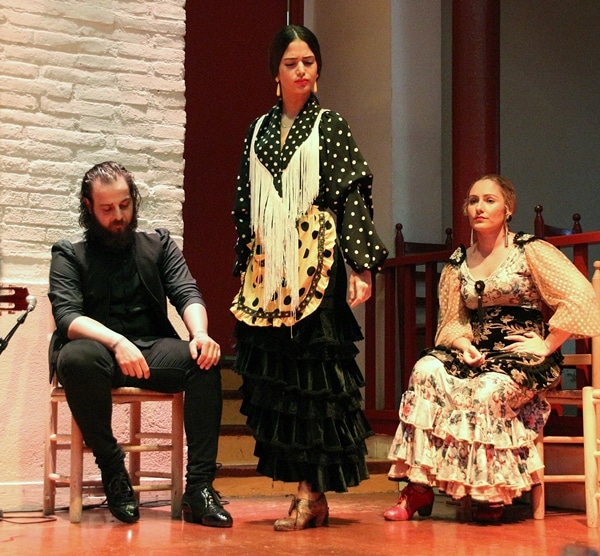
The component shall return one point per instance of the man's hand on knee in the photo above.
(130, 360)
(205, 351)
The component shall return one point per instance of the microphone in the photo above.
(31, 302)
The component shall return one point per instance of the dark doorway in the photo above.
(227, 85)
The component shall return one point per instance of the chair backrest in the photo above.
(411, 247)
(595, 341)
(541, 229)
(588, 353)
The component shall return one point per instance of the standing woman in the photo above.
(302, 209)
(475, 404)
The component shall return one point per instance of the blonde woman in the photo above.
(472, 411)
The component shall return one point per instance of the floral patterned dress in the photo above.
(472, 430)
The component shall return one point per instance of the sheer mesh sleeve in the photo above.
(454, 320)
(564, 289)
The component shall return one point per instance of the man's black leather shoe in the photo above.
(202, 504)
(120, 496)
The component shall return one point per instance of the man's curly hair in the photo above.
(106, 172)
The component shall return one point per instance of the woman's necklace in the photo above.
(289, 122)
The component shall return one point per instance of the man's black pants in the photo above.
(88, 371)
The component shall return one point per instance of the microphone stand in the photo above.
(20, 321)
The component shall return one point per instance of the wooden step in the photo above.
(243, 480)
(236, 446)
(236, 453)
(230, 380)
(232, 402)
(237, 475)
(375, 467)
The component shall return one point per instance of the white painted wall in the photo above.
(417, 119)
(80, 82)
(550, 109)
(355, 39)
(382, 64)
(392, 58)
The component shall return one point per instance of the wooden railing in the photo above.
(401, 320)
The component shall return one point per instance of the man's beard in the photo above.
(115, 241)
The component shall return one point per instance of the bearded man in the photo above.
(109, 291)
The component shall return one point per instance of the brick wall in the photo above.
(81, 81)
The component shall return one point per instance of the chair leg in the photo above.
(538, 501)
(464, 512)
(177, 455)
(50, 460)
(135, 427)
(538, 494)
(76, 474)
(590, 446)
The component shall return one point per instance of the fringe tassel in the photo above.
(274, 217)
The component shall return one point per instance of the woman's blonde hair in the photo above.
(508, 192)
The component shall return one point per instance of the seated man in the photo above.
(109, 293)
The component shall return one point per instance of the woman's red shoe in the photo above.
(486, 512)
(413, 498)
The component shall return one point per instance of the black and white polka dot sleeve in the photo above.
(348, 180)
(241, 208)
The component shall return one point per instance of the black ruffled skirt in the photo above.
(302, 396)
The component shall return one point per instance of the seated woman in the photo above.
(474, 405)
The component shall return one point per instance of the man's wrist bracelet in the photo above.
(117, 342)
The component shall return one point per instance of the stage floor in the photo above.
(356, 528)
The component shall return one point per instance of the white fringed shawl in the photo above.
(273, 217)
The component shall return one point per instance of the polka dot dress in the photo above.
(301, 383)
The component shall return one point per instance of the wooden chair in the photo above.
(543, 230)
(591, 452)
(134, 446)
(559, 398)
(411, 247)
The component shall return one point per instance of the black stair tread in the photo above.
(232, 395)
(375, 467)
(235, 430)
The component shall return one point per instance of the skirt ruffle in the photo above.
(302, 397)
(485, 449)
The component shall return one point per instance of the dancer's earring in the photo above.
(506, 221)
(278, 91)
(315, 88)
(471, 236)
